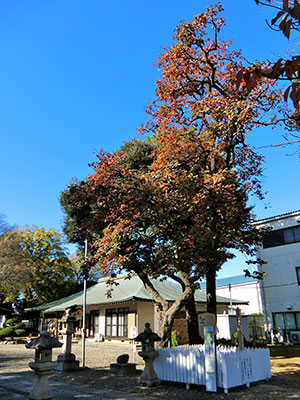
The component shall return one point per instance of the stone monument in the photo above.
(122, 366)
(43, 364)
(148, 354)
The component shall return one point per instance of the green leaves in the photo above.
(34, 267)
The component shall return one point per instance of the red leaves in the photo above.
(249, 77)
(288, 15)
(286, 19)
(282, 69)
(295, 94)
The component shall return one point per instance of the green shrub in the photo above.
(19, 325)
(20, 332)
(258, 343)
(235, 338)
(174, 338)
(14, 328)
(8, 331)
(224, 342)
(12, 321)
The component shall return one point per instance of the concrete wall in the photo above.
(145, 313)
(227, 325)
(280, 286)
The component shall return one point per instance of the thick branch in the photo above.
(152, 291)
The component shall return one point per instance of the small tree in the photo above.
(13, 328)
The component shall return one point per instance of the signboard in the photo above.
(133, 334)
(210, 359)
(205, 319)
(133, 331)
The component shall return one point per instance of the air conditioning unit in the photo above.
(294, 337)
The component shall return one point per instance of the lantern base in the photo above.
(123, 369)
(67, 362)
(41, 389)
(149, 376)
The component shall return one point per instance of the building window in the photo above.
(286, 321)
(298, 274)
(94, 323)
(116, 322)
(281, 236)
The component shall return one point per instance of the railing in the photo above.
(234, 367)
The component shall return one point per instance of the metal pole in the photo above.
(84, 307)
(229, 286)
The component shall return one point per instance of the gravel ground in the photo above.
(285, 383)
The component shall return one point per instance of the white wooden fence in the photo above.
(234, 367)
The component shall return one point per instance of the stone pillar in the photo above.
(240, 328)
(66, 361)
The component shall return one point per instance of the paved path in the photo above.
(18, 385)
(17, 381)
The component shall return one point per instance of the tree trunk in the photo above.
(211, 297)
(165, 328)
(168, 316)
(192, 320)
(167, 312)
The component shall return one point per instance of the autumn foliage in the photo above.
(286, 19)
(176, 205)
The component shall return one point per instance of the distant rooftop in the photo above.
(233, 280)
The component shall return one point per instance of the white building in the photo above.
(281, 286)
(240, 287)
(249, 290)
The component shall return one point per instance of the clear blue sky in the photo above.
(75, 77)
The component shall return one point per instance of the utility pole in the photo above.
(84, 305)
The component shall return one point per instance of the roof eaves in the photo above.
(276, 217)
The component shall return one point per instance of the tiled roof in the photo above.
(126, 290)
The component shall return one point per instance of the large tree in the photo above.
(34, 267)
(166, 215)
(199, 96)
(119, 208)
(178, 208)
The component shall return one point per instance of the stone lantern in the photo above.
(66, 361)
(43, 364)
(148, 354)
